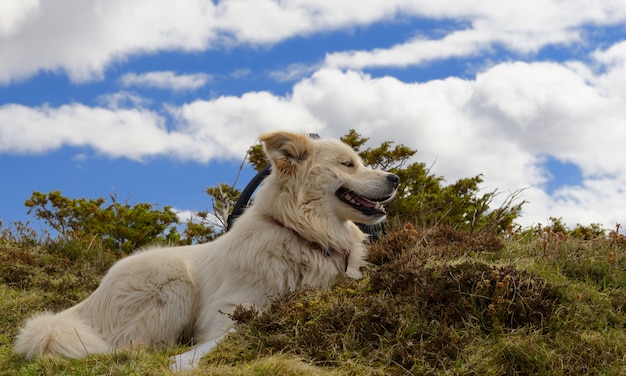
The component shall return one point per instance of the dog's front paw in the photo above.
(190, 359)
(185, 361)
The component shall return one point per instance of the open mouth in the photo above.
(366, 206)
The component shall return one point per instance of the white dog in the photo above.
(299, 232)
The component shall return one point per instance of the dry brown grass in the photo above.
(436, 301)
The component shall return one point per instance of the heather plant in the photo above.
(476, 306)
(433, 301)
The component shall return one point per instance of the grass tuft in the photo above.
(433, 302)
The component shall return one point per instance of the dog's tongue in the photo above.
(369, 204)
(365, 202)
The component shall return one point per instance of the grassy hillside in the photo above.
(435, 301)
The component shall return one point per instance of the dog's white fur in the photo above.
(298, 233)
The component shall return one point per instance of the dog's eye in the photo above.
(348, 164)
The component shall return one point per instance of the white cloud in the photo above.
(186, 215)
(522, 27)
(223, 128)
(240, 73)
(612, 62)
(227, 126)
(416, 51)
(166, 80)
(293, 72)
(285, 19)
(614, 55)
(548, 109)
(82, 38)
(596, 200)
(13, 14)
(123, 99)
(133, 134)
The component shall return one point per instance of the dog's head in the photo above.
(326, 178)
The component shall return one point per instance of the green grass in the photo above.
(434, 302)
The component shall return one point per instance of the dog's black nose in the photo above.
(394, 179)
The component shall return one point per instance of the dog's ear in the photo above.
(285, 149)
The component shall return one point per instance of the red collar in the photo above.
(325, 251)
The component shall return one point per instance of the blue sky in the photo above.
(156, 100)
